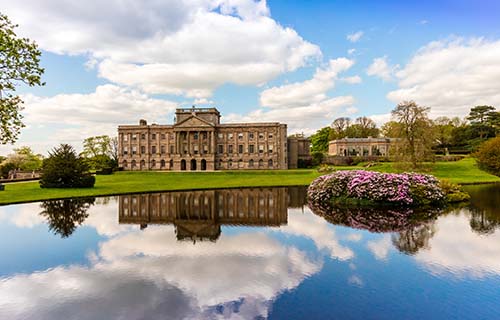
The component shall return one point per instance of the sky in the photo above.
(303, 63)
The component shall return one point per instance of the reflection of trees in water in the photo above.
(413, 229)
(64, 216)
(411, 240)
(484, 208)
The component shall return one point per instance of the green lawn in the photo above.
(463, 172)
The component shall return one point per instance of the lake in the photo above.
(252, 253)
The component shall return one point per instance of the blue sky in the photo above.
(303, 63)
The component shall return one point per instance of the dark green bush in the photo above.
(64, 169)
(107, 170)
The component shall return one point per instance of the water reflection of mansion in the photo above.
(198, 215)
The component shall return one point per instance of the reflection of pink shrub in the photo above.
(406, 189)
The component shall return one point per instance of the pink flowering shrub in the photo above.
(406, 189)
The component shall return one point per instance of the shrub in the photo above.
(317, 158)
(368, 187)
(488, 155)
(453, 192)
(64, 169)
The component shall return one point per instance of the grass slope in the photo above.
(462, 172)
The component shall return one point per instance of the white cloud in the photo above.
(173, 47)
(351, 51)
(304, 106)
(451, 76)
(355, 37)
(73, 117)
(307, 92)
(352, 80)
(423, 22)
(381, 68)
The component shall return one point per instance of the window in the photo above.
(204, 135)
(172, 149)
(240, 148)
(134, 137)
(134, 150)
(271, 147)
(143, 136)
(195, 135)
(220, 148)
(250, 163)
(250, 135)
(162, 149)
(162, 164)
(251, 148)
(261, 148)
(229, 136)
(163, 136)
(261, 136)
(125, 150)
(230, 148)
(230, 163)
(240, 136)
(220, 135)
(125, 137)
(153, 163)
(153, 136)
(195, 149)
(143, 149)
(270, 163)
(153, 149)
(270, 136)
(205, 149)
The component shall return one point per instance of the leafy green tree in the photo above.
(488, 155)
(482, 119)
(443, 129)
(25, 159)
(391, 129)
(19, 63)
(320, 140)
(339, 127)
(415, 132)
(100, 152)
(64, 169)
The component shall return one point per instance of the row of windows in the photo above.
(220, 164)
(196, 136)
(196, 150)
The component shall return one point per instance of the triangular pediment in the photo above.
(193, 121)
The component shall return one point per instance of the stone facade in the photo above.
(298, 150)
(359, 147)
(198, 142)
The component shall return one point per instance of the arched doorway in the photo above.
(153, 164)
(250, 163)
(133, 164)
(162, 164)
(270, 163)
(203, 164)
(171, 167)
(193, 164)
(183, 165)
(143, 165)
(261, 163)
(124, 164)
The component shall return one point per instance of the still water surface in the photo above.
(246, 254)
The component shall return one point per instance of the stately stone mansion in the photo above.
(197, 141)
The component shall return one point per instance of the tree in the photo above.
(415, 134)
(320, 140)
(64, 169)
(482, 118)
(339, 126)
(19, 63)
(488, 155)
(100, 152)
(25, 159)
(443, 129)
(391, 129)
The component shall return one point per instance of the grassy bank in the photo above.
(463, 172)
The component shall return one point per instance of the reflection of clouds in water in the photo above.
(355, 280)
(24, 215)
(381, 247)
(456, 249)
(354, 237)
(144, 274)
(317, 229)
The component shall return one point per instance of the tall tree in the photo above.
(24, 158)
(320, 140)
(482, 119)
(19, 63)
(100, 152)
(415, 131)
(339, 126)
